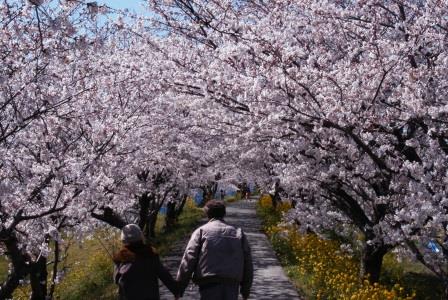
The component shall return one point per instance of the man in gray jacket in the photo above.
(218, 256)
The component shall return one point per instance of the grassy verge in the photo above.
(271, 217)
(3, 268)
(414, 277)
(187, 222)
(88, 268)
(321, 270)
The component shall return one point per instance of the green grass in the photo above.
(188, 220)
(89, 268)
(413, 276)
(269, 216)
(299, 281)
(3, 268)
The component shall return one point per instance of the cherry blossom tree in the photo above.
(54, 132)
(85, 133)
(347, 96)
(344, 102)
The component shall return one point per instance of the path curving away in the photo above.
(270, 281)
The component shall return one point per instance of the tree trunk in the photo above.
(110, 217)
(445, 289)
(170, 215)
(372, 261)
(38, 279)
(181, 206)
(213, 189)
(275, 199)
(144, 203)
(152, 223)
(54, 275)
(19, 268)
(10, 285)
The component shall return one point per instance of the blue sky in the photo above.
(132, 5)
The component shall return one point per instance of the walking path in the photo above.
(270, 281)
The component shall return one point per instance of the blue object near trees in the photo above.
(433, 246)
(198, 196)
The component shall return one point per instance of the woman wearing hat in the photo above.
(137, 268)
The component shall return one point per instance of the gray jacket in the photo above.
(217, 252)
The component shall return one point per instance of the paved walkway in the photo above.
(270, 282)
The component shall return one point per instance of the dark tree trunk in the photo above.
(152, 223)
(275, 199)
(445, 289)
(213, 189)
(20, 268)
(144, 202)
(372, 256)
(170, 216)
(38, 279)
(180, 208)
(110, 217)
(55, 269)
(372, 260)
(11, 283)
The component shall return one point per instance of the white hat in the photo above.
(131, 233)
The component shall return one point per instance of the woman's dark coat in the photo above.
(136, 271)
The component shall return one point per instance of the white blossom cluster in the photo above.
(345, 102)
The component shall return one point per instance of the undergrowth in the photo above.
(320, 269)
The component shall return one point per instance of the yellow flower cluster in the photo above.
(266, 202)
(325, 269)
(333, 274)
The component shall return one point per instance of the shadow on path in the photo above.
(270, 281)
